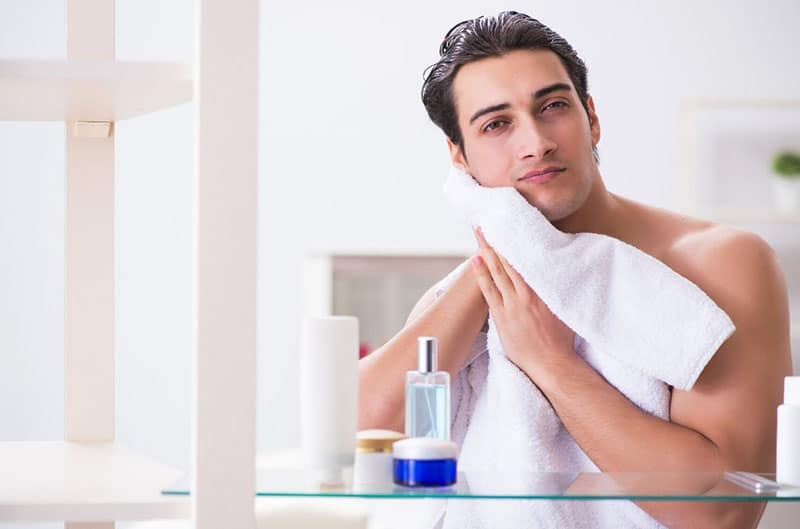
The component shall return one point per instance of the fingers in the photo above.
(486, 283)
(496, 268)
(510, 279)
(520, 285)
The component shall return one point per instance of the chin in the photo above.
(561, 206)
(553, 212)
(555, 216)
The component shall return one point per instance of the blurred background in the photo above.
(696, 99)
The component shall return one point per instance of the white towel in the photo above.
(617, 300)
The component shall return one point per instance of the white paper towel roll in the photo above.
(328, 394)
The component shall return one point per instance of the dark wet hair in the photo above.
(484, 37)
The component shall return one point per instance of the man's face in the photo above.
(523, 125)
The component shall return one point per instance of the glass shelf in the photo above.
(650, 486)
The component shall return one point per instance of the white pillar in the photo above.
(89, 252)
(226, 99)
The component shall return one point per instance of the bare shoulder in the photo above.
(742, 382)
(735, 267)
(719, 247)
(729, 264)
(741, 273)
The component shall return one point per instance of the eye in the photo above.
(494, 125)
(555, 105)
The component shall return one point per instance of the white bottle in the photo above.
(788, 450)
(329, 395)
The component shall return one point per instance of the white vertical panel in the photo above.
(89, 291)
(90, 30)
(89, 249)
(226, 98)
(89, 253)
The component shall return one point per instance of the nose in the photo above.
(533, 140)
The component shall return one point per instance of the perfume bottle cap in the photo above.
(427, 354)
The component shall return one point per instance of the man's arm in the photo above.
(455, 318)
(727, 421)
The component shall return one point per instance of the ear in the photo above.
(456, 156)
(594, 123)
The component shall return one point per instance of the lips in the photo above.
(540, 176)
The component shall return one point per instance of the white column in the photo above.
(89, 290)
(226, 99)
(89, 252)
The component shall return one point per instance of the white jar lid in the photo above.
(791, 391)
(425, 448)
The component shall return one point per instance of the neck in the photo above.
(596, 214)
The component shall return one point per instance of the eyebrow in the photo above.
(552, 88)
(537, 95)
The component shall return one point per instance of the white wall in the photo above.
(31, 243)
(349, 161)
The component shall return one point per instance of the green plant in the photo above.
(787, 164)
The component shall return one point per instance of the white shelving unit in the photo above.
(87, 477)
(88, 481)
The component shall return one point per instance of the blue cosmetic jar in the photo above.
(424, 462)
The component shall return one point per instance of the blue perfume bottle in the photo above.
(428, 394)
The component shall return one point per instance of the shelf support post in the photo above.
(89, 252)
(224, 403)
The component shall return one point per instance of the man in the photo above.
(512, 98)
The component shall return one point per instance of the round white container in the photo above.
(373, 462)
(425, 462)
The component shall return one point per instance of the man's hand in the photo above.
(532, 336)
